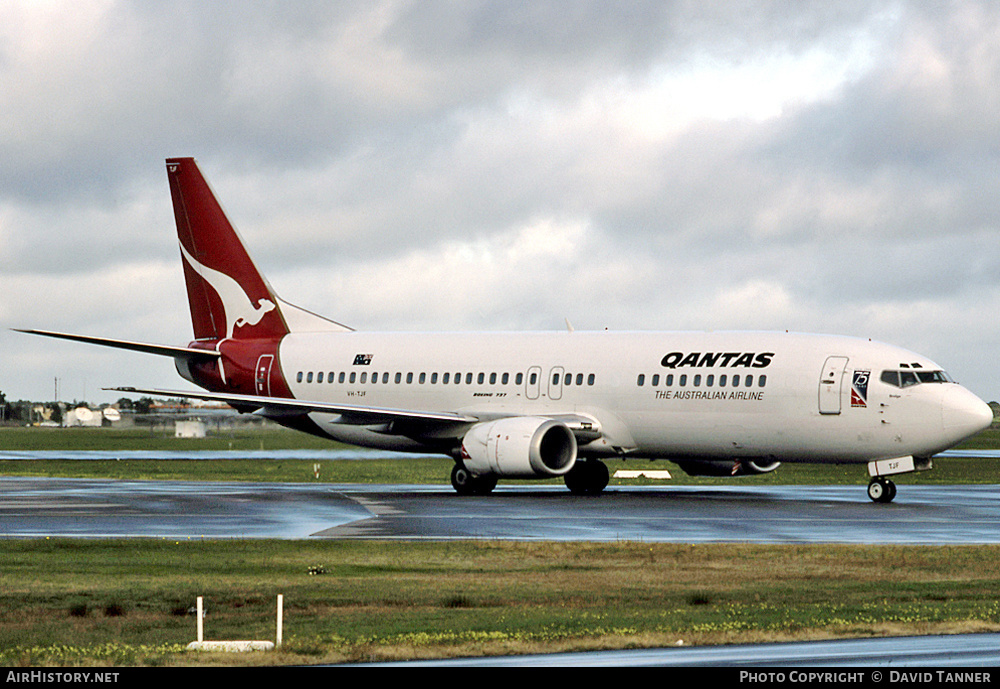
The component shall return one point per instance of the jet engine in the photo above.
(519, 447)
(743, 467)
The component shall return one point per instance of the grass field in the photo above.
(125, 602)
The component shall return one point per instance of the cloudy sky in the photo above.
(431, 165)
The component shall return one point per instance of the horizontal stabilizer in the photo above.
(280, 406)
(160, 350)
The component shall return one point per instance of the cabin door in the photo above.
(831, 383)
(263, 377)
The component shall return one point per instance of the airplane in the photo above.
(539, 405)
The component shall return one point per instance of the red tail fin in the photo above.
(228, 295)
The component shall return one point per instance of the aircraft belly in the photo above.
(364, 436)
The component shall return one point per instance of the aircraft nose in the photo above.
(964, 414)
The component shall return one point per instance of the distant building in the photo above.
(189, 429)
(88, 418)
(83, 416)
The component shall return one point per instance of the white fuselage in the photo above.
(687, 396)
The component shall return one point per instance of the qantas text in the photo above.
(720, 359)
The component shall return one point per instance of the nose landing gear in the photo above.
(881, 489)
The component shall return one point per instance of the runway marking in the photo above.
(376, 507)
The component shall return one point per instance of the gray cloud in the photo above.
(813, 166)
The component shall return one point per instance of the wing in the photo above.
(283, 406)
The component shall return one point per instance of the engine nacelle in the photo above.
(519, 447)
(743, 467)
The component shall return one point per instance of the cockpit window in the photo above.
(904, 379)
(934, 377)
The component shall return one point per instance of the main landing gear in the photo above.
(587, 477)
(881, 489)
(466, 483)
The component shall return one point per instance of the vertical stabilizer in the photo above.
(228, 296)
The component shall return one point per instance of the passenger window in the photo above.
(398, 378)
(409, 378)
(656, 380)
(684, 380)
(590, 379)
(493, 379)
(518, 379)
(468, 379)
(298, 378)
(342, 374)
(697, 380)
(504, 379)
(736, 381)
(762, 381)
(309, 377)
(364, 377)
(353, 376)
(670, 380)
(709, 380)
(722, 380)
(641, 380)
(445, 378)
(579, 379)
(481, 378)
(533, 379)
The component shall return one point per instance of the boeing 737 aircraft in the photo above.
(541, 405)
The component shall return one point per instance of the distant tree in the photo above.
(19, 411)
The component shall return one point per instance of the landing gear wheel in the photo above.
(881, 490)
(587, 477)
(466, 483)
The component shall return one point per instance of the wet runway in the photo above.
(89, 508)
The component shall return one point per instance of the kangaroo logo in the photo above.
(240, 311)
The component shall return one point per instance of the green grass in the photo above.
(266, 437)
(125, 602)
